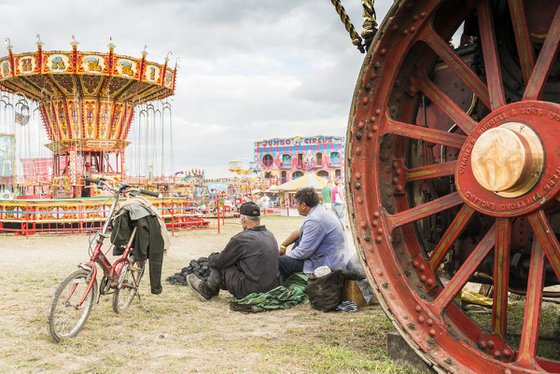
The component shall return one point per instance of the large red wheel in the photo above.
(454, 173)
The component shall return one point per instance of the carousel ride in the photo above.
(87, 103)
(454, 178)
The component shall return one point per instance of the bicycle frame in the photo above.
(112, 271)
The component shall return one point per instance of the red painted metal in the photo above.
(419, 107)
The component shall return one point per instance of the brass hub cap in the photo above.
(508, 159)
(509, 164)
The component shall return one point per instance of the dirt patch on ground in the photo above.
(179, 333)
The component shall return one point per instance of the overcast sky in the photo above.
(248, 70)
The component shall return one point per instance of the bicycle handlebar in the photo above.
(91, 180)
(150, 193)
(123, 187)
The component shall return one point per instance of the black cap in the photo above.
(250, 209)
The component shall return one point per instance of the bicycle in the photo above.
(73, 300)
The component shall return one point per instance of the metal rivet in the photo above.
(432, 333)
(382, 52)
(360, 200)
(380, 230)
(378, 239)
(358, 150)
(374, 223)
(506, 353)
(375, 128)
(430, 282)
(379, 272)
(378, 111)
(418, 308)
(423, 278)
(376, 214)
(415, 263)
(358, 185)
(421, 319)
(365, 100)
(422, 267)
(490, 344)
(361, 124)
(429, 321)
(358, 175)
(364, 225)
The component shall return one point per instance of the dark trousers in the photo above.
(289, 266)
(215, 281)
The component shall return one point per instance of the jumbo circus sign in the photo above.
(301, 141)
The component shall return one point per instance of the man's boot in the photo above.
(201, 290)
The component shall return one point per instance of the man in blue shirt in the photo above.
(319, 242)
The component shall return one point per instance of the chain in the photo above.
(356, 39)
(369, 26)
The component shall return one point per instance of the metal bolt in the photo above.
(358, 185)
(359, 135)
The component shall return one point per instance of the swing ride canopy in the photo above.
(86, 99)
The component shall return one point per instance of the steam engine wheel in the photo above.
(454, 174)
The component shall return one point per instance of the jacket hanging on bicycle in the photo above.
(148, 244)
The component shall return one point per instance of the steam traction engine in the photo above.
(454, 175)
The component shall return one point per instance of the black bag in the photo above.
(325, 293)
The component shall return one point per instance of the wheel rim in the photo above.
(397, 150)
(68, 318)
(126, 288)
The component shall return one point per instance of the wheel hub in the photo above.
(508, 160)
(510, 164)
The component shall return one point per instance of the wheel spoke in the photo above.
(450, 236)
(431, 171)
(424, 133)
(462, 276)
(501, 276)
(522, 38)
(544, 62)
(444, 103)
(533, 306)
(447, 54)
(424, 210)
(490, 54)
(547, 239)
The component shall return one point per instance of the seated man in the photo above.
(249, 262)
(320, 241)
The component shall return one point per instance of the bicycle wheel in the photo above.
(128, 284)
(66, 315)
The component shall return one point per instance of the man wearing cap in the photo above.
(248, 263)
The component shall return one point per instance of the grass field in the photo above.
(179, 333)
